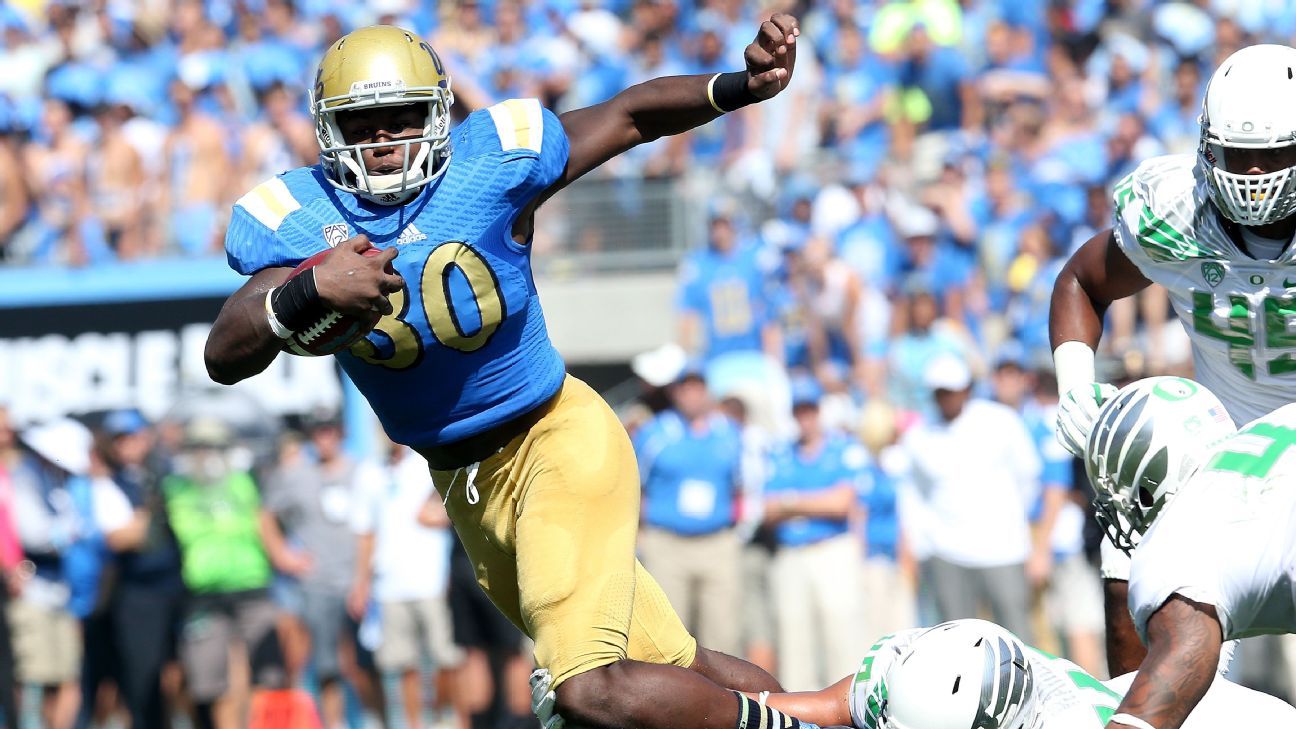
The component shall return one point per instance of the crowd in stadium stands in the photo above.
(859, 407)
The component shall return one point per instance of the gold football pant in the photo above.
(549, 523)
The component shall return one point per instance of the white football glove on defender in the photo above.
(544, 700)
(1077, 410)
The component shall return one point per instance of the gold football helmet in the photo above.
(382, 65)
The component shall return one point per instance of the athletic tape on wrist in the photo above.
(276, 326)
(296, 304)
(728, 92)
(1130, 720)
(1074, 363)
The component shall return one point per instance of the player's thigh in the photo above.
(577, 520)
(657, 635)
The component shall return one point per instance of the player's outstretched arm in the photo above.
(670, 105)
(243, 341)
(1184, 639)
(826, 707)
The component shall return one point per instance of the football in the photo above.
(333, 332)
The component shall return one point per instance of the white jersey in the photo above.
(1226, 539)
(1068, 697)
(1239, 312)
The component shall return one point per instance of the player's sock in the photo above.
(753, 714)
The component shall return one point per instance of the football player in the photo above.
(973, 673)
(538, 475)
(1215, 230)
(1216, 560)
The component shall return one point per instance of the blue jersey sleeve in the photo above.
(257, 237)
(523, 132)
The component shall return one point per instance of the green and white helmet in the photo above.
(1146, 442)
(964, 674)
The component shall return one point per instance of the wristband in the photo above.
(1074, 363)
(1129, 720)
(276, 326)
(728, 92)
(296, 304)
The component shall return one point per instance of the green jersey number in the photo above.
(1256, 465)
(1239, 329)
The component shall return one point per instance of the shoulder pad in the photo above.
(1163, 214)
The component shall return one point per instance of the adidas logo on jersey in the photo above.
(409, 235)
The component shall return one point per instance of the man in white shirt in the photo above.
(974, 473)
(403, 562)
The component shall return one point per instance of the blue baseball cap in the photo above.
(124, 422)
(806, 390)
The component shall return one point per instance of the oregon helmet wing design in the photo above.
(1147, 441)
(964, 674)
(382, 65)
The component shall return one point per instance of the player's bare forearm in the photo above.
(827, 707)
(1184, 639)
(670, 105)
(1124, 649)
(1098, 274)
(241, 343)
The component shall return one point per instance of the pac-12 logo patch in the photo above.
(1213, 273)
(335, 234)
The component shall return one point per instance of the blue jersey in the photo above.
(690, 479)
(726, 291)
(838, 461)
(466, 348)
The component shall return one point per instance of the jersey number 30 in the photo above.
(447, 324)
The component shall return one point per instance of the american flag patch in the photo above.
(1218, 415)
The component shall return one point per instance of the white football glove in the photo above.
(544, 700)
(1077, 411)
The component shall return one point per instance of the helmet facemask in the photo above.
(344, 162)
(1248, 199)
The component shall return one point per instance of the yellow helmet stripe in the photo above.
(519, 123)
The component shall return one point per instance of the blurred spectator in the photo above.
(974, 472)
(197, 172)
(493, 690)
(720, 300)
(1073, 595)
(214, 509)
(810, 497)
(47, 642)
(11, 563)
(313, 506)
(690, 460)
(923, 337)
(147, 591)
(889, 576)
(62, 229)
(403, 565)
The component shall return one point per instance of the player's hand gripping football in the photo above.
(771, 57)
(1077, 411)
(351, 283)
